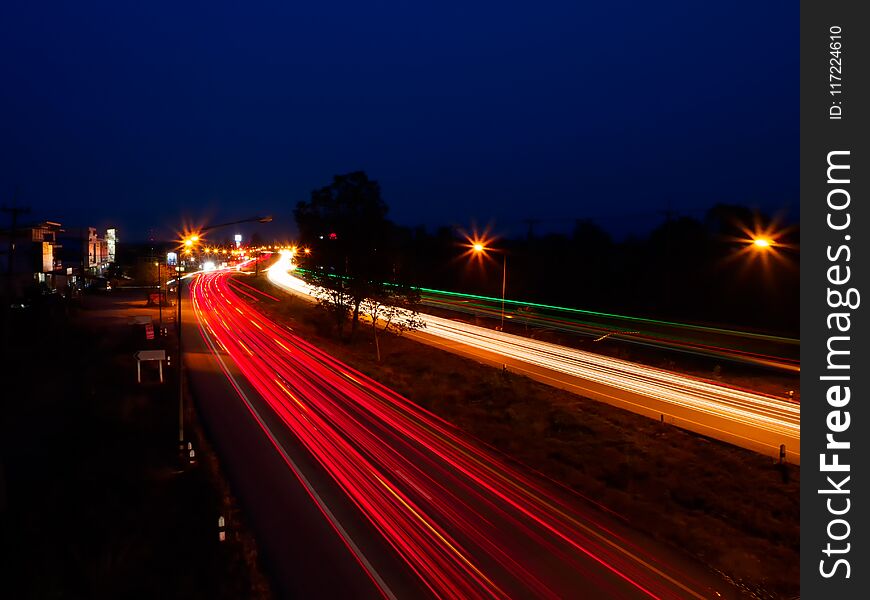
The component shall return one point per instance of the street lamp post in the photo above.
(159, 298)
(180, 368)
(189, 243)
(480, 248)
(503, 286)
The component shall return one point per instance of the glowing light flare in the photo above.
(479, 246)
(189, 238)
(762, 243)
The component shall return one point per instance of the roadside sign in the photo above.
(143, 355)
(149, 331)
(151, 355)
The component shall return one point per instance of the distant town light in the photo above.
(762, 242)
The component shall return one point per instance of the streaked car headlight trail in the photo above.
(747, 418)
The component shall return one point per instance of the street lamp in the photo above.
(188, 243)
(762, 243)
(480, 249)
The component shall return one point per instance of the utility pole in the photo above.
(669, 219)
(14, 211)
(531, 227)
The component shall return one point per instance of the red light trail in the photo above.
(465, 519)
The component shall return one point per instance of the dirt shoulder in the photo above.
(735, 510)
(97, 502)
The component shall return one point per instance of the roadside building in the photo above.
(111, 243)
(30, 260)
(85, 252)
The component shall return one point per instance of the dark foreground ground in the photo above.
(737, 511)
(94, 502)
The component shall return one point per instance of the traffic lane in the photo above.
(514, 551)
(523, 550)
(510, 535)
(742, 435)
(746, 347)
(526, 524)
(301, 549)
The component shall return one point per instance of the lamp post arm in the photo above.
(179, 282)
(266, 219)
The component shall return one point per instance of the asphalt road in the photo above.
(742, 417)
(353, 491)
(293, 508)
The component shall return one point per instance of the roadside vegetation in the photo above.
(735, 510)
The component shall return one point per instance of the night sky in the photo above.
(139, 113)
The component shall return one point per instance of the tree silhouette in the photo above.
(354, 247)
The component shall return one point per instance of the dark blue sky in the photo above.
(138, 113)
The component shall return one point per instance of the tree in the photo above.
(332, 297)
(354, 247)
(395, 307)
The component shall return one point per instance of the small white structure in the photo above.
(144, 355)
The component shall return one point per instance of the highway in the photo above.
(742, 417)
(773, 352)
(413, 507)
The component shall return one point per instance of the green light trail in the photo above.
(580, 311)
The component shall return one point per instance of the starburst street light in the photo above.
(188, 240)
(763, 244)
(479, 248)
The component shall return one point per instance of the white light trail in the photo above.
(767, 413)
